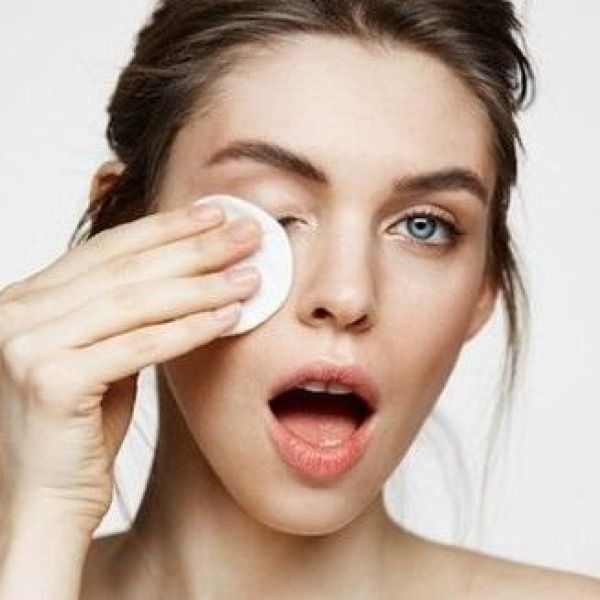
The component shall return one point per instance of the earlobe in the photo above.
(104, 178)
(484, 308)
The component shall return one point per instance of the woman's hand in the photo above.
(74, 336)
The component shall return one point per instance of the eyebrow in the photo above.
(280, 158)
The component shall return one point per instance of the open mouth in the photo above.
(322, 419)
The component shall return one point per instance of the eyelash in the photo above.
(281, 220)
(453, 232)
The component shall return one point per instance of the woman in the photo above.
(382, 136)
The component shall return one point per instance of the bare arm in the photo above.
(73, 339)
(42, 557)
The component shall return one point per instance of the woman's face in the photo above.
(373, 287)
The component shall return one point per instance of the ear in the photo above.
(484, 307)
(104, 178)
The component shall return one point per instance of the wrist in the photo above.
(50, 515)
(43, 555)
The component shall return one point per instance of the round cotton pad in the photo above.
(273, 259)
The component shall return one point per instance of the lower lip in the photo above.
(316, 462)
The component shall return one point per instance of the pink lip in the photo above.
(353, 376)
(319, 463)
(325, 463)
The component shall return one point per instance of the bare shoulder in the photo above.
(473, 575)
(505, 579)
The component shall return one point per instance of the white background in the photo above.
(58, 68)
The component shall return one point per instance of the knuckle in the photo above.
(212, 249)
(42, 379)
(160, 224)
(146, 343)
(17, 352)
(10, 314)
(12, 290)
(202, 290)
(201, 243)
(216, 288)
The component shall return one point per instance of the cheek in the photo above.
(215, 382)
(429, 314)
(196, 376)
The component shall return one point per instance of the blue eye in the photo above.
(423, 228)
(432, 230)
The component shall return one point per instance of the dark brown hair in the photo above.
(189, 45)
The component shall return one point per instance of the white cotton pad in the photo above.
(273, 259)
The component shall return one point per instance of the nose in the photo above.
(336, 286)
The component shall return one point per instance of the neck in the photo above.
(196, 541)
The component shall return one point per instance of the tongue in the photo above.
(319, 418)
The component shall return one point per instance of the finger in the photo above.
(123, 355)
(146, 232)
(197, 255)
(133, 306)
(211, 251)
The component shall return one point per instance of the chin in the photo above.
(298, 510)
(300, 522)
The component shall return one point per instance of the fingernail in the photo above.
(205, 212)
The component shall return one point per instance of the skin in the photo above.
(223, 517)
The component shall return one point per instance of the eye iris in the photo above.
(422, 227)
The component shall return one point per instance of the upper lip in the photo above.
(352, 375)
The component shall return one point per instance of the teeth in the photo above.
(315, 387)
(334, 388)
(331, 388)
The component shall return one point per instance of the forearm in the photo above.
(43, 558)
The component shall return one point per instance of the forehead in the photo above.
(354, 108)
